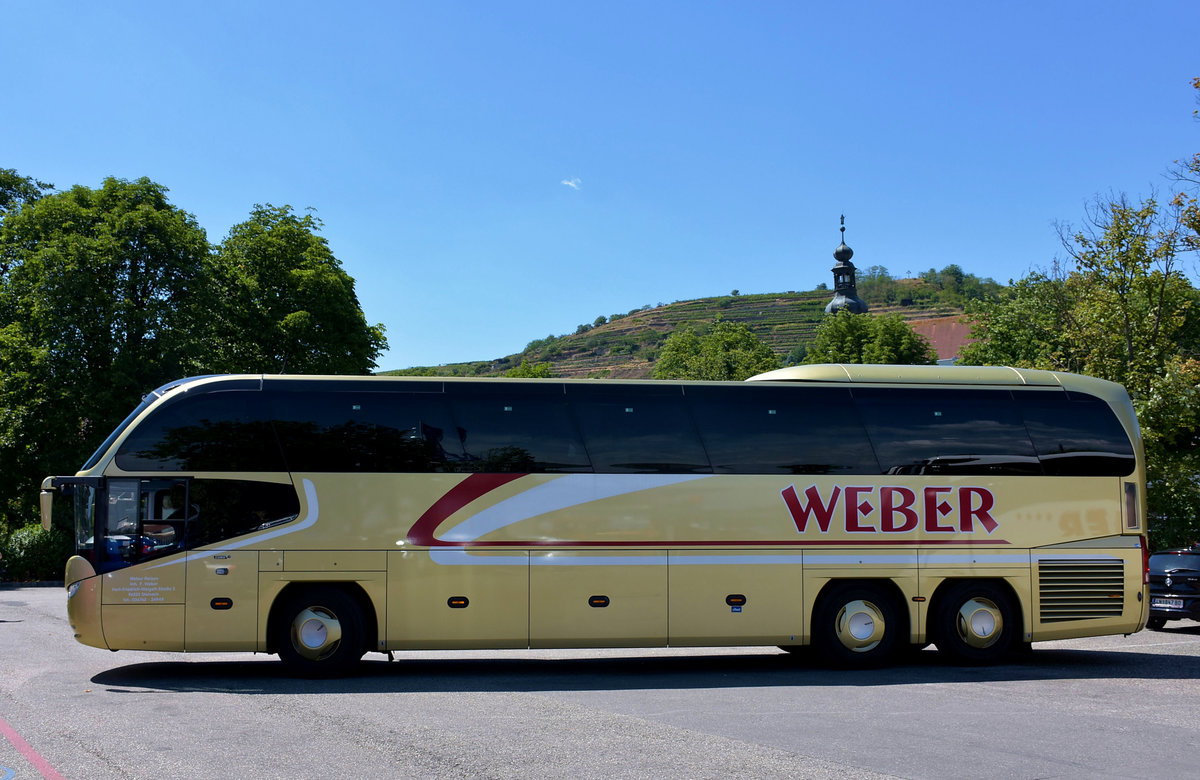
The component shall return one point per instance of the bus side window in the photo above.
(781, 430)
(946, 431)
(164, 505)
(502, 429)
(228, 508)
(638, 429)
(1076, 435)
(122, 521)
(222, 431)
(362, 432)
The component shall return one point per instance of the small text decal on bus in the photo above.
(900, 509)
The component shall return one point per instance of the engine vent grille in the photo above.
(1081, 589)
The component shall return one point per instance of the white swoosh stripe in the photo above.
(562, 493)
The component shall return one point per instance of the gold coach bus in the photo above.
(857, 509)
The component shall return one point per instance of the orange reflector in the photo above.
(221, 603)
(457, 602)
(598, 601)
(735, 600)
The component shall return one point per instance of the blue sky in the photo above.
(494, 172)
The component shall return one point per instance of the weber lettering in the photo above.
(892, 509)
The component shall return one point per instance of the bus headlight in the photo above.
(72, 589)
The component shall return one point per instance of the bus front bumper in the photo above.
(83, 602)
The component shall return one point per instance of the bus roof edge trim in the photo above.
(966, 375)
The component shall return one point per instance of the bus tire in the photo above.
(319, 632)
(857, 626)
(1156, 623)
(975, 623)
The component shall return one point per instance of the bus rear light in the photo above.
(1145, 559)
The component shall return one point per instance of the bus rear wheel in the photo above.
(857, 625)
(319, 633)
(975, 623)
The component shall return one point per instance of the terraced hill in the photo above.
(626, 346)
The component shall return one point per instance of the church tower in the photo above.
(845, 290)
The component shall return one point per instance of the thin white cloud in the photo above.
(574, 183)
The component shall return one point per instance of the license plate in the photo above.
(1167, 603)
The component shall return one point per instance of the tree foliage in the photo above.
(951, 286)
(728, 351)
(529, 370)
(98, 306)
(1126, 313)
(1023, 326)
(108, 293)
(16, 190)
(863, 338)
(1186, 173)
(288, 304)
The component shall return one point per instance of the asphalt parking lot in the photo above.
(1103, 707)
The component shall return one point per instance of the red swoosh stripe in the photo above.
(456, 498)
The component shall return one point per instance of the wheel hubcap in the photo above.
(860, 626)
(980, 623)
(316, 633)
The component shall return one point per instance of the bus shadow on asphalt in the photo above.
(447, 674)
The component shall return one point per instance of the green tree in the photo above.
(286, 303)
(1186, 173)
(876, 285)
(98, 304)
(863, 338)
(1132, 305)
(728, 351)
(1026, 326)
(1169, 414)
(16, 189)
(1124, 312)
(529, 370)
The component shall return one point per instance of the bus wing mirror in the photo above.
(47, 501)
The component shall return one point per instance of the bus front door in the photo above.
(142, 593)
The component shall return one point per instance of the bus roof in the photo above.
(817, 373)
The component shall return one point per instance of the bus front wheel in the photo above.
(319, 632)
(975, 623)
(856, 625)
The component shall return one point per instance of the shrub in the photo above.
(33, 554)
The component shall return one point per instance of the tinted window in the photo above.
(364, 431)
(637, 429)
(222, 431)
(515, 428)
(933, 431)
(1076, 435)
(222, 509)
(1164, 562)
(757, 429)
(150, 518)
